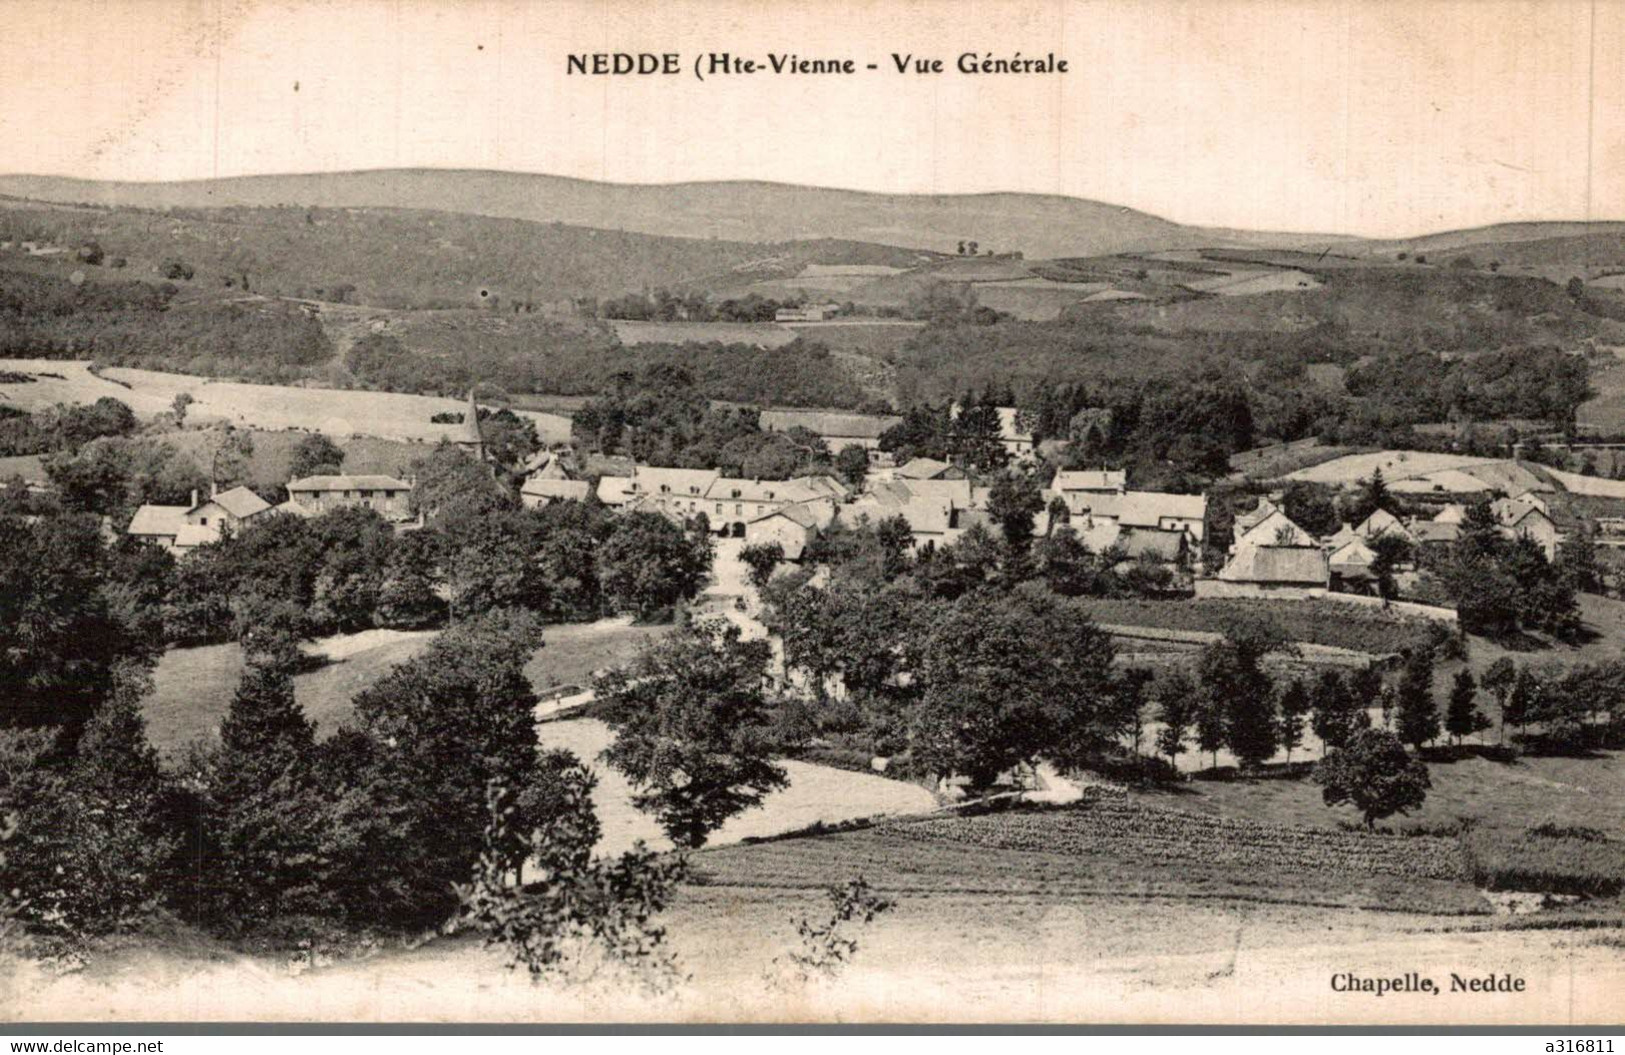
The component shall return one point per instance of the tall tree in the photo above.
(1014, 502)
(315, 455)
(691, 732)
(1295, 708)
(1463, 718)
(1332, 711)
(1418, 711)
(1177, 701)
(263, 807)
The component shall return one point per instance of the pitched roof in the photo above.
(1284, 565)
(1353, 553)
(240, 502)
(691, 482)
(1381, 522)
(1266, 531)
(1090, 480)
(1436, 530)
(829, 424)
(348, 483)
(158, 520)
(1454, 513)
(549, 488)
(1164, 544)
(811, 515)
(294, 509)
(922, 469)
(1514, 511)
(614, 490)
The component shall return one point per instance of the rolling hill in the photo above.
(1033, 224)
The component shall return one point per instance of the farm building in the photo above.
(540, 491)
(1266, 570)
(794, 527)
(728, 503)
(1090, 481)
(1526, 517)
(838, 431)
(315, 495)
(1351, 563)
(184, 528)
(928, 469)
(1139, 509)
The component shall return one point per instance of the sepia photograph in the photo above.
(882, 512)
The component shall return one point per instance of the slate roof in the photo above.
(1280, 565)
(240, 502)
(550, 488)
(348, 483)
(1090, 480)
(922, 469)
(158, 520)
(1436, 531)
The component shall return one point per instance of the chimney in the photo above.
(194, 499)
(214, 488)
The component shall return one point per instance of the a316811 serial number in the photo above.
(1580, 1047)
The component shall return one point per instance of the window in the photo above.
(739, 510)
(665, 488)
(203, 520)
(735, 493)
(719, 509)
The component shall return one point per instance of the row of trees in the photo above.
(62, 427)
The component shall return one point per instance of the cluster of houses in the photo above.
(182, 528)
(1272, 556)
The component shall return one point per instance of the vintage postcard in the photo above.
(882, 511)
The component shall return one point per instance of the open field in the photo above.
(1589, 792)
(1395, 465)
(816, 794)
(336, 412)
(194, 685)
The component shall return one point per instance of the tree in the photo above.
(762, 559)
(1007, 678)
(649, 564)
(1311, 506)
(414, 767)
(232, 456)
(1498, 681)
(573, 904)
(1522, 699)
(852, 463)
(691, 728)
(1463, 718)
(1372, 496)
(1332, 712)
(263, 805)
(1231, 674)
(1295, 707)
(180, 404)
(315, 455)
(1577, 562)
(407, 596)
(1417, 711)
(1013, 503)
(451, 484)
(1177, 702)
(1375, 774)
(95, 847)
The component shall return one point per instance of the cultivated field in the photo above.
(338, 413)
(1395, 465)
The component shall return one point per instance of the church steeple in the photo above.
(469, 437)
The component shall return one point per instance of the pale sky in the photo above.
(1359, 116)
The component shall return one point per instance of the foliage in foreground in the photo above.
(576, 915)
(827, 947)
